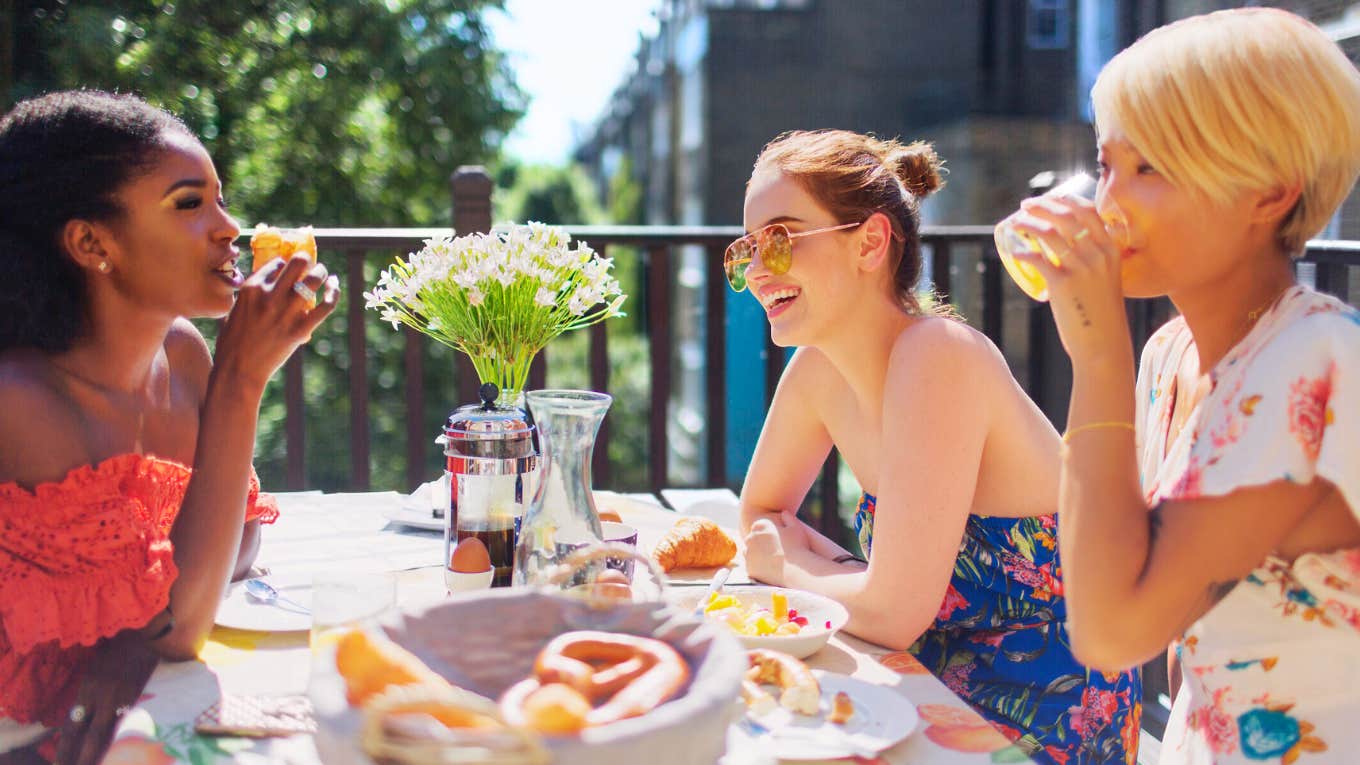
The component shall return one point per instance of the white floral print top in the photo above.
(1272, 673)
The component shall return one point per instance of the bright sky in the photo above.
(568, 57)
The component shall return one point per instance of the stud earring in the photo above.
(103, 266)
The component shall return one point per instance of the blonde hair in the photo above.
(1241, 100)
(854, 176)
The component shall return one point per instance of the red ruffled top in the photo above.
(83, 559)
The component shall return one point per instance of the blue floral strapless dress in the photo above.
(1000, 642)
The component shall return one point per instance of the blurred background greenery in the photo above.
(343, 113)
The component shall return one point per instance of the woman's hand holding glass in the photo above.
(1085, 285)
(272, 316)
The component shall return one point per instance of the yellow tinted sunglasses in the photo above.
(773, 244)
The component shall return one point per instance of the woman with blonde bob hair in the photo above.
(1217, 502)
(959, 468)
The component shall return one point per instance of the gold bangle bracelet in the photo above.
(1096, 426)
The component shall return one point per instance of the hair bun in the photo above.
(918, 167)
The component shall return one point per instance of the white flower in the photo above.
(523, 264)
(597, 269)
(577, 306)
(497, 296)
(589, 295)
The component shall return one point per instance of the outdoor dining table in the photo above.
(320, 533)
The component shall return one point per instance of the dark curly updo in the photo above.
(63, 156)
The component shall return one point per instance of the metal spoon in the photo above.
(264, 592)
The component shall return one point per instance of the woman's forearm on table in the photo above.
(207, 534)
(750, 513)
(888, 622)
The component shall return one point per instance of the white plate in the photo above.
(240, 611)
(817, 608)
(419, 518)
(882, 718)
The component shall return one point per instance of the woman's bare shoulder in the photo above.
(189, 356)
(948, 345)
(39, 426)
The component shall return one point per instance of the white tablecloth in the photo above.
(329, 532)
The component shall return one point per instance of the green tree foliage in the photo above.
(343, 112)
(558, 195)
(346, 113)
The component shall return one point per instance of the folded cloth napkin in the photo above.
(428, 496)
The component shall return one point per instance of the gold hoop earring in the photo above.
(103, 266)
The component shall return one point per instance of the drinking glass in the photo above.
(1010, 241)
(342, 601)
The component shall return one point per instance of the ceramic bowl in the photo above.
(825, 617)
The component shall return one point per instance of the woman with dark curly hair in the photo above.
(127, 496)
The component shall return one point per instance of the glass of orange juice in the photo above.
(1010, 241)
(268, 242)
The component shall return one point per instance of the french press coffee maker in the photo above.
(491, 467)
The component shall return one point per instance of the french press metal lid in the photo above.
(486, 439)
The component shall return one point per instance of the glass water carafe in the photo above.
(562, 516)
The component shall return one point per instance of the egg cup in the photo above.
(458, 581)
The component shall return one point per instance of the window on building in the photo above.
(1046, 25)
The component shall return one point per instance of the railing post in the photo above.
(294, 422)
(940, 263)
(413, 364)
(715, 361)
(658, 274)
(358, 371)
(470, 187)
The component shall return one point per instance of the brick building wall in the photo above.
(772, 71)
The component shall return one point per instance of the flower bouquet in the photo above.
(499, 297)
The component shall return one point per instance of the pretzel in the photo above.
(800, 691)
(407, 725)
(620, 676)
(757, 700)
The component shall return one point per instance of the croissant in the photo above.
(694, 543)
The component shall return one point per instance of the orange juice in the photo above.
(1009, 241)
(268, 243)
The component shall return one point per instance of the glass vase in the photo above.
(562, 516)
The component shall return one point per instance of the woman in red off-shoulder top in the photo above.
(127, 496)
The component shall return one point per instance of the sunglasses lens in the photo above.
(735, 261)
(776, 251)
